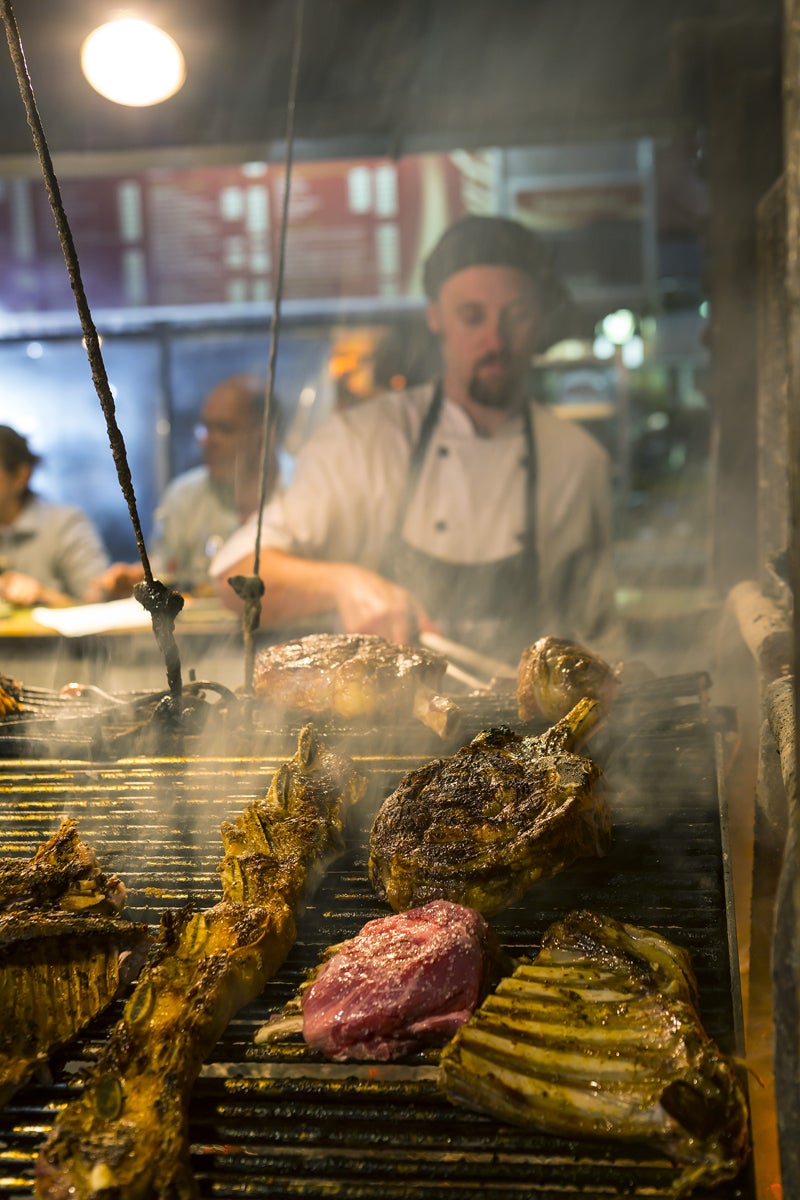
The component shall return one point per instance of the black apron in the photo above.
(490, 606)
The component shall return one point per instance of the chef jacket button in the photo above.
(440, 526)
(443, 451)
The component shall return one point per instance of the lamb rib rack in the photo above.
(126, 1134)
(600, 1037)
(65, 951)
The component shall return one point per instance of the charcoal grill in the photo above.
(86, 723)
(276, 1120)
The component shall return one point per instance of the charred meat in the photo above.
(126, 1134)
(600, 1036)
(63, 874)
(405, 982)
(554, 674)
(482, 825)
(10, 696)
(64, 951)
(355, 676)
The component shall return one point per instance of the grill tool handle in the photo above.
(466, 658)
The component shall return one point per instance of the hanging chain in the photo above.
(250, 588)
(161, 602)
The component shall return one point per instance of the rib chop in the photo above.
(65, 951)
(600, 1037)
(479, 827)
(354, 676)
(126, 1134)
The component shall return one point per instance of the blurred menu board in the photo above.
(204, 235)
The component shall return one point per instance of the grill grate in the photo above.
(276, 1120)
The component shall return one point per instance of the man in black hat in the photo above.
(460, 505)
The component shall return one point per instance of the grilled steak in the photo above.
(354, 676)
(126, 1134)
(554, 674)
(404, 982)
(600, 1036)
(64, 951)
(481, 826)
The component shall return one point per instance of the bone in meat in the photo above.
(65, 951)
(126, 1134)
(600, 1036)
(482, 825)
(356, 676)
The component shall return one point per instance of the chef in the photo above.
(461, 506)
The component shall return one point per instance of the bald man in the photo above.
(202, 507)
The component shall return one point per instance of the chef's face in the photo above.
(230, 434)
(487, 319)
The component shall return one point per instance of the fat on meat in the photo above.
(405, 981)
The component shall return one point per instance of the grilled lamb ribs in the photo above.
(554, 674)
(355, 676)
(600, 1036)
(65, 951)
(482, 825)
(126, 1134)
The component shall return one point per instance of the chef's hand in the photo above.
(116, 582)
(26, 592)
(368, 603)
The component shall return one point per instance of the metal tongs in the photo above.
(462, 661)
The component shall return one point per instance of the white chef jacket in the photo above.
(469, 505)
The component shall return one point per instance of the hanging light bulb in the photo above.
(133, 62)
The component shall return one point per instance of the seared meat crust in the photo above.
(553, 675)
(126, 1135)
(61, 947)
(482, 825)
(600, 1036)
(349, 675)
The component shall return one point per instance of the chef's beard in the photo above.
(494, 393)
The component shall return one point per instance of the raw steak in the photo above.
(403, 982)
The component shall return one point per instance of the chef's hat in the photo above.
(476, 241)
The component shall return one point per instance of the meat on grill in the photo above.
(126, 1134)
(354, 676)
(404, 982)
(553, 675)
(600, 1036)
(64, 951)
(10, 696)
(482, 825)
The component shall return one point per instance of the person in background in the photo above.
(49, 553)
(460, 505)
(202, 507)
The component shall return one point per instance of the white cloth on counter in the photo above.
(469, 505)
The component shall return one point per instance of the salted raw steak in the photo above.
(405, 981)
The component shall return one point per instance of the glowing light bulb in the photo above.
(132, 62)
(619, 326)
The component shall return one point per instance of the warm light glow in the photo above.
(132, 62)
